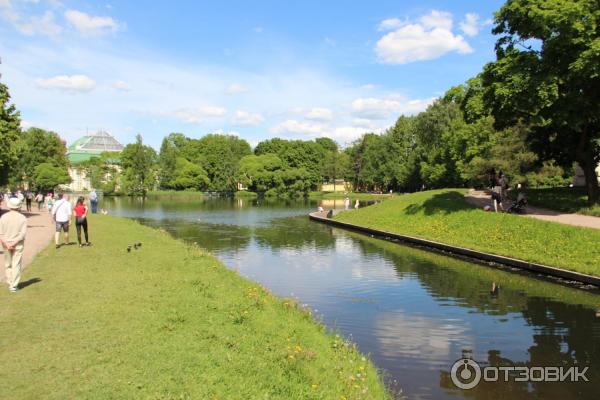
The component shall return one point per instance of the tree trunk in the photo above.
(587, 162)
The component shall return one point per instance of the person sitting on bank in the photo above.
(13, 228)
(80, 212)
(61, 214)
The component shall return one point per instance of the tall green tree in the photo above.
(138, 162)
(547, 74)
(47, 176)
(38, 146)
(9, 134)
(167, 161)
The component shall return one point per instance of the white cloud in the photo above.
(470, 25)
(244, 118)
(121, 85)
(319, 114)
(43, 25)
(69, 83)
(428, 39)
(292, 126)
(364, 123)
(29, 26)
(437, 19)
(236, 88)
(370, 108)
(90, 25)
(390, 24)
(197, 115)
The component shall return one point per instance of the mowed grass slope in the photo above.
(164, 322)
(444, 216)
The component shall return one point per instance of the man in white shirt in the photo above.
(13, 227)
(61, 214)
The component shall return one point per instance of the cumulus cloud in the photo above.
(197, 115)
(470, 25)
(236, 88)
(319, 114)
(437, 19)
(68, 83)
(292, 126)
(245, 118)
(90, 25)
(390, 24)
(121, 85)
(370, 108)
(429, 38)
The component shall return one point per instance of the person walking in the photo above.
(13, 228)
(61, 214)
(346, 203)
(39, 199)
(357, 204)
(81, 211)
(94, 201)
(49, 202)
(28, 200)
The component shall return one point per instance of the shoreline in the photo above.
(473, 255)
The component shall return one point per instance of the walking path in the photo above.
(481, 199)
(40, 230)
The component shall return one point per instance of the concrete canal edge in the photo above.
(462, 252)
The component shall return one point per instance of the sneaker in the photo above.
(13, 289)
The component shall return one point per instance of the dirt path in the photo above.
(40, 230)
(481, 199)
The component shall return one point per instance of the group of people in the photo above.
(13, 226)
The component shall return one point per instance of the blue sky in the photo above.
(255, 69)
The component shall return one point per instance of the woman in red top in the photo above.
(80, 213)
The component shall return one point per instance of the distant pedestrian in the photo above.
(346, 203)
(503, 181)
(61, 213)
(39, 199)
(28, 200)
(357, 204)
(94, 201)
(49, 202)
(80, 212)
(497, 194)
(13, 228)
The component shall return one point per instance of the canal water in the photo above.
(413, 311)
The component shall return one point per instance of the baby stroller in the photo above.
(518, 207)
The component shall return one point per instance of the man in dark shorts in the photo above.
(61, 213)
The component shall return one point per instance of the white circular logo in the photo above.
(465, 374)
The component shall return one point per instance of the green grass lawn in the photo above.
(572, 200)
(444, 216)
(166, 321)
(244, 194)
(352, 195)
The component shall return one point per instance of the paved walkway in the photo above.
(40, 230)
(482, 199)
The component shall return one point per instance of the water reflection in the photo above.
(415, 312)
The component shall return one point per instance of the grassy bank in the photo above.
(163, 322)
(244, 194)
(174, 194)
(444, 216)
(566, 199)
(351, 195)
